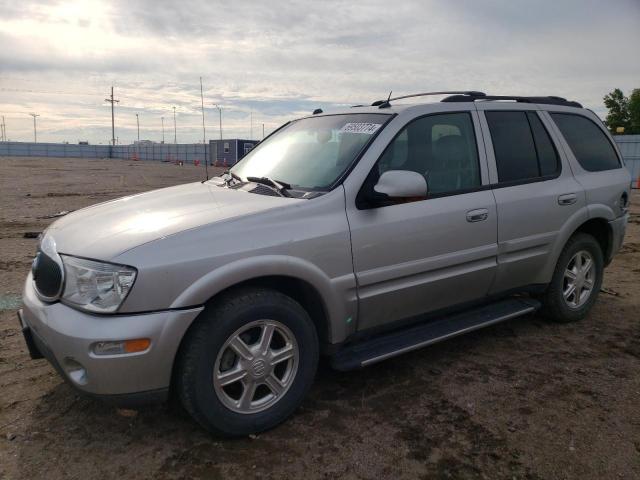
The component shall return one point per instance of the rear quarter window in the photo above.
(587, 141)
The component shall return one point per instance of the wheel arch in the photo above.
(584, 221)
(600, 229)
(325, 299)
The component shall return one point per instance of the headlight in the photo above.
(96, 286)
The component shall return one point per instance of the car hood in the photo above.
(108, 229)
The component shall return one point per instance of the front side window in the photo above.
(440, 147)
(587, 141)
(522, 147)
(312, 153)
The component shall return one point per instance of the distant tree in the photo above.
(618, 106)
(634, 111)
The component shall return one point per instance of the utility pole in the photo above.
(4, 130)
(263, 131)
(204, 133)
(112, 101)
(162, 118)
(175, 136)
(251, 128)
(215, 105)
(35, 132)
(138, 123)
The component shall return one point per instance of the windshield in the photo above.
(311, 153)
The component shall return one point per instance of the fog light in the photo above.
(75, 370)
(121, 347)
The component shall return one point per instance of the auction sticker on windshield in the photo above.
(368, 128)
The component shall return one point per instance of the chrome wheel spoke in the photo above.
(266, 337)
(241, 348)
(570, 274)
(249, 391)
(274, 385)
(569, 291)
(284, 353)
(586, 266)
(230, 376)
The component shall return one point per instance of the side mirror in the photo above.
(401, 184)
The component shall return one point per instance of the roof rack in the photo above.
(550, 100)
(466, 93)
(472, 96)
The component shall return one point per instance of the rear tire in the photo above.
(247, 362)
(576, 280)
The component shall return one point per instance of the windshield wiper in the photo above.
(232, 176)
(279, 186)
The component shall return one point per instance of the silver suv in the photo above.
(359, 235)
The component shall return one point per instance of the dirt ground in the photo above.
(522, 400)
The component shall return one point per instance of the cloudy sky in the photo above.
(282, 59)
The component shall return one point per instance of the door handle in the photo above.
(477, 215)
(567, 199)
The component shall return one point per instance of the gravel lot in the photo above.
(525, 399)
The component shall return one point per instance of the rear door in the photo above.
(534, 189)
(418, 256)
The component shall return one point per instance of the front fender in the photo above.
(337, 294)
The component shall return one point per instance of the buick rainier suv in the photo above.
(358, 235)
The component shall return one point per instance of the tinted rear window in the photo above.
(588, 142)
(513, 146)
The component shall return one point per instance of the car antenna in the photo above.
(383, 103)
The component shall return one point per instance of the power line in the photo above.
(112, 101)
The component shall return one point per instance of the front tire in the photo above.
(576, 280)
(247, 362)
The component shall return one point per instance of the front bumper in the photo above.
(66, 336)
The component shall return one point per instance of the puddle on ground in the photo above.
(10, 302)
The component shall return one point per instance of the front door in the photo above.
(415, 257)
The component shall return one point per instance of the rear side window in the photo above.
(589, 144)
(522, 146)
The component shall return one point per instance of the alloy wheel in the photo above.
(256, 366)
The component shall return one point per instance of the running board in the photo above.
(380, 348)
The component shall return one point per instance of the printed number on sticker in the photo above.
(368, 128)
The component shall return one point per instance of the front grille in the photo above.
(47, 275)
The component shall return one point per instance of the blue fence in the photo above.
(164, 152)
(629, 146)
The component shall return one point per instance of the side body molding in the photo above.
(331, 291)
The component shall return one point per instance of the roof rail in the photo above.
(466, 93)
(550, 100)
